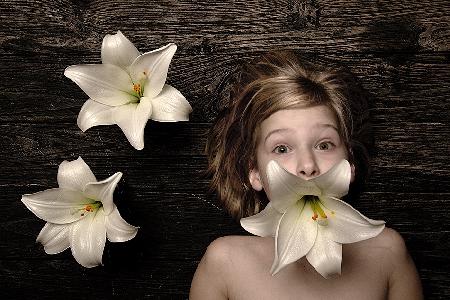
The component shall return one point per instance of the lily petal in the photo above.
(74, 175)
(335, 182)
(59, 206)
(104, 83)
(118, 50)
(103, 191)
(264, 223)
(132, 119)
(285, 189)
(93, 114)
(295, 236)
(117, 229)
(54, 238)
(347, 211)
(154, 65)
(325, 256)
(345, 231)
(87, 239)
(170, 105)
(347, 225)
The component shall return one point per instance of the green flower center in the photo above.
(319, 214)
(91, 207)
(138, 87)
(138, 90)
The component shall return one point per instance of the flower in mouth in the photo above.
(307, 218)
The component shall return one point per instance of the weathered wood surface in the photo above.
(399, 49)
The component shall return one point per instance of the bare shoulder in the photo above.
(227, 243)
(389, 239)
(218, 266)
(392, 244)
(387, 249)
(208, 280)
(233, 249)
(403, 279)
(220, 252)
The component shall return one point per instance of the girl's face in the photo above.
(305, 141)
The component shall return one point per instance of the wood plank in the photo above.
(395, 83)
(217, 26)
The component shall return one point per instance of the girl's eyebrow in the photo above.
(319, 125)
(326, 125)
(277, 131)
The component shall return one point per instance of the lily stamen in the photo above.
(320, 210)
(138, 89)
(91, 207)
(317, 209)
(314, 217)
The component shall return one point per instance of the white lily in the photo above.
(128, 88)
(80, 214)
(307, 218)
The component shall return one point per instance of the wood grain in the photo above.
(400, 50)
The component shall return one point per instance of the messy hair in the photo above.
(277, 81)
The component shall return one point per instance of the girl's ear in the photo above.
(353, 172)
(255, 180)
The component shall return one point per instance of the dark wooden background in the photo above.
(399, 49)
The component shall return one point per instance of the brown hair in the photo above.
(280, 80)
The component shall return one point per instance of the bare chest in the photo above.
(359, 280)
(294, 289)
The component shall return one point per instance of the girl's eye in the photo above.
(281, 149)
(325, 146)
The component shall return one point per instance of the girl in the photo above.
(307, 118)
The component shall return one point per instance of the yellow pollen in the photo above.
(88, 208)
(137, 87)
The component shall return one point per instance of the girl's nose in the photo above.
(307, 167)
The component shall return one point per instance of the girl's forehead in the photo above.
(301, 117)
